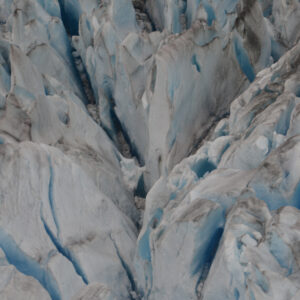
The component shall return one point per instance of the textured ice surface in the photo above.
(249, 164)
(149, 149)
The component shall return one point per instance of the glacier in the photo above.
(149, 149)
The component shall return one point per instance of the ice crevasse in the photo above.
(149, 149)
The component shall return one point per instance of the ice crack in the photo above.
(28, 266)
(134, 292)
(67, 253)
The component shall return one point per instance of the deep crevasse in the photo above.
(149, 149)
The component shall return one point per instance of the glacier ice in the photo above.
(149, 149)
(245, 163)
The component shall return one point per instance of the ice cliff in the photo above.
(149, 149)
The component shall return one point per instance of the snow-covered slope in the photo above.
(149, 149)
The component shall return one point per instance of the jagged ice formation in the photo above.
(149, 149)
